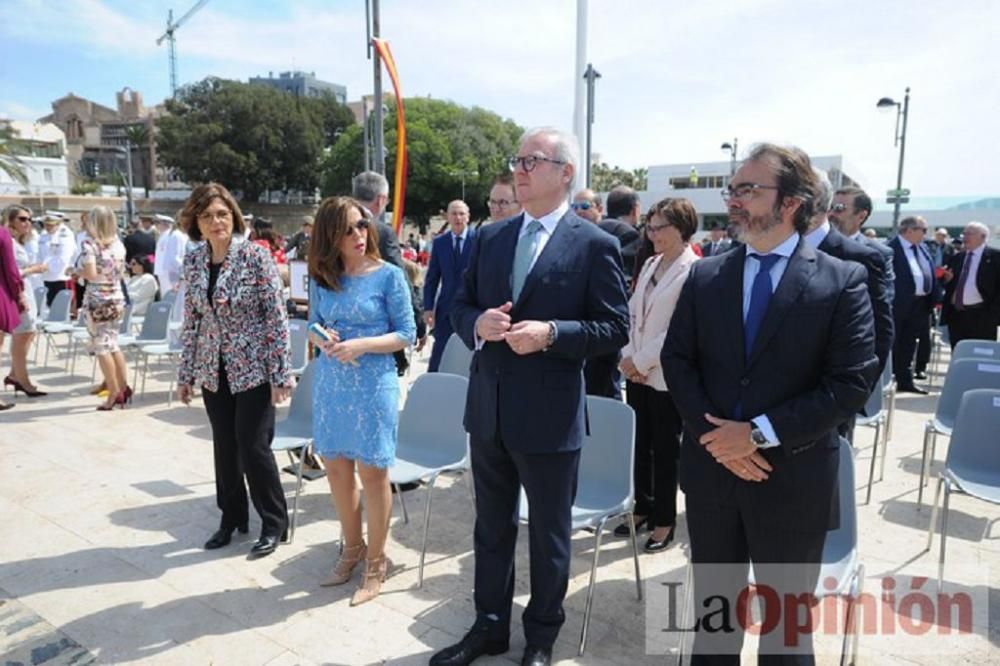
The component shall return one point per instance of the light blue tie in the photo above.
(523, 255)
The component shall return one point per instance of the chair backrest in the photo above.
(964, 375)
(841, 541)
(887, 374)
(430, 427)
(974, 450)
(984, 350)
(875, 400)
(126, 320)
(169, 297)
(302, 397)
(299, 340)
(456, 358)
(59, 310)
(40, 293)
(605, 476)
(155, 323)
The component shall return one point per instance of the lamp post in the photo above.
(902, 111)
(731, 147)
(463, 174)
(129, 205)
(591, 76)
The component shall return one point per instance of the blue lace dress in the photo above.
(356, 408)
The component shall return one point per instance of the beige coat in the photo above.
(650, 317)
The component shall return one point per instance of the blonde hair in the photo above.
(103, 225)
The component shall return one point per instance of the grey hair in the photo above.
(824, 192)
(911, 222)
(981, 228)
(566, 145)
(367, 185)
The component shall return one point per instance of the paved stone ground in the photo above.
(105, 514)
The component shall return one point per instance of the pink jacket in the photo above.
(246, 322)
(11, 284)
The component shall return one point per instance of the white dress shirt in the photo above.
(971, 295)
(170, 249)
(57, 251)
(816, 237)
(915, 268)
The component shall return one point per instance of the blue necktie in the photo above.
(760, 297)
(523, 255)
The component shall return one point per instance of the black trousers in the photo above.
(242, 430)
(909, 324)
(53, 288)
(726, 532)
(549, 481)
(657, 445)
(974, 324)
(924, 345)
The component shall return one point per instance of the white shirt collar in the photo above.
(906, 243)
(463, 235)
(549, 220)
(786, 248)
(978, 252)
(816, 237)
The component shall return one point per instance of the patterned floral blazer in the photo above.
(246, 322)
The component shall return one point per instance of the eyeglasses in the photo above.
(361, 227)
(528, 162)
(838, 208)
(654, 228)
(744, 191)
(500, 203)
(583, 205)
(208, 218)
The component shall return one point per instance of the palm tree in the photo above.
(138, 135)
(10, 163)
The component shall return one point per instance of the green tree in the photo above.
(251, 138)
(444, 141)
(138, 135)
(603, 177)
(10, 163)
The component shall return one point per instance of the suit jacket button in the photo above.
(744, 382)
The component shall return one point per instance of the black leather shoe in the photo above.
(911, 389)
(264, 547)
(622, 530)
(653, 546)
(475, 644)
(222, 537)
(920, 374)
(536, 656)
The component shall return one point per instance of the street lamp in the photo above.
(463, 174)
(902, 110)
(129, 205)
(731, 147)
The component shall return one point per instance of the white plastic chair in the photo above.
(456, 358)
(431, 441)
(876, 418)
(82, 336)
(299, 340)
(972, 465)
(983, 350)
(963, 375)
(154, 332)
(56, 320)
(605, 489)
(295, 433)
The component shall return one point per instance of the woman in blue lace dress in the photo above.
(364, 305)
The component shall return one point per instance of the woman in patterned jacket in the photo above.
(236, 348)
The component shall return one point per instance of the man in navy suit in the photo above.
(916, 292)
(771, 346)
(449, 256)
(850, 209)
(972, 296)
(542, 292)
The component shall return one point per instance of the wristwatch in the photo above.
(552, 336)
(757, 436)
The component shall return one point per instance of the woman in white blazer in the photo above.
(670, 225)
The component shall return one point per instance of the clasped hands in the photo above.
(729, 443)
(346, 351)
(524, 337)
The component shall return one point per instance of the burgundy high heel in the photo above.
(119, 400)
(128, 394)
(10, 381)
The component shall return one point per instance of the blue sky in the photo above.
(679, 78)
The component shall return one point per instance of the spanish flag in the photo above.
(399, 181)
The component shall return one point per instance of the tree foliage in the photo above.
(444, 141)
(603, 177)
(251, 138)
(10, 163)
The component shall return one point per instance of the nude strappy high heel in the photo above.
(371, 580)
(349, 559)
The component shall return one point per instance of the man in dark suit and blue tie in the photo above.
(771, 346)
(542, 292)
(917, 290)
(449, 256)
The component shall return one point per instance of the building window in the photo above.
(47, 175)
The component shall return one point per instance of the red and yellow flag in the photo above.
(399, 181)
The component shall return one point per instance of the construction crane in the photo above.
(169, 36)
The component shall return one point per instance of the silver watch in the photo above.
(757, 437)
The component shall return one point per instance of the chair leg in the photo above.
(590, 588)
(72, 355)
(298, 490)
(885, 447)
(145, 373)
(928, 428)
(855, 629)
(635, 553)
(427, 524)
(934, 511)
(468, 485)
(871, 468)
(402, 503)
(892, 410)
(944, 530)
